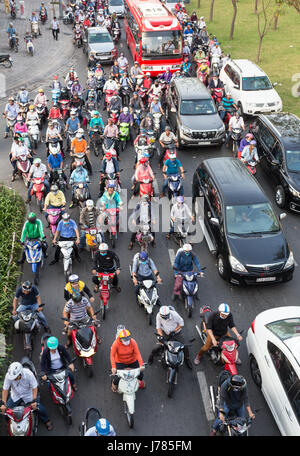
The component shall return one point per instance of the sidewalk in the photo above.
(49, 55)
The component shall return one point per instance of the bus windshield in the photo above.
(163, 43)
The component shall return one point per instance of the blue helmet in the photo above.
(102, 426)
(143, 256)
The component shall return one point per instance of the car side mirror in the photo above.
(236, 87)
(274, 84)
(275, 162)
(173, 109)
(215, 221)
(282, 215)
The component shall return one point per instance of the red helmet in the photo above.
(143, 160)
(108, 155)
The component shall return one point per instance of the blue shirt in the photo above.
(184, 263)
(11, 31)
(67, 230)
(55, 160)
(155, 107)
(79, 175)
(172, 166)
(73, 125)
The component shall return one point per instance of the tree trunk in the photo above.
(234, 4)
(259, 49)
(255, 6)
(211, 13)
(276, 17)
(198, 5)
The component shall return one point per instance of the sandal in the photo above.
(49, 425)
(99, 340)
(75, 387)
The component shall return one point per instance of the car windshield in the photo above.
(284, 329)
(163, 43)
(251, 219)
(293, 160)
(197, 107)
(99, 38)
(256, 83)
(115, 2)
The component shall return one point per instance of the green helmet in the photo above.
(95, 113)
(52, 343)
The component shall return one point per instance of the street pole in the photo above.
(60, 9)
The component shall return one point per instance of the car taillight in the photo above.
(114, 52)
(252, 326)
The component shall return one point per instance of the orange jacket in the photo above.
(80, 146)
(126, 354)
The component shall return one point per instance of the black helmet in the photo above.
(27, 285)
(31, 217)
(238, 382)
(76, 297)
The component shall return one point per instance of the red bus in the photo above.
(154, 36)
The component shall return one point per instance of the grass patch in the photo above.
(278, 59)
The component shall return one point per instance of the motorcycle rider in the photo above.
(167, 140)
(245, 142)
(52, 134)
(22, 96)
(143, 268)
(235, 121)
(37, 170)
(142, 214)
(172, 166)
(34, 18)
(77, 88)
(227, 104)
(147, 123)
(96, 120)
(249, 153)
(110, 165)
(78, 308)
(169, 325)
(54, 357)
(126, 117)
(11, 31)
(18, 149)
(155, 90)
(30, 299)
(54, 200)
(135, 71)
(123, 62)
(135, 103)
(71, 75)
(180, 210)
(110, 199)
(33, 229)
(41, 99)
(88, 219)
(186, 66)
(143, 171)
(32, 114)
(115, 70)
(10, 111)
(184, 261)
(166, 76)
(215, 83)
(78, 176)
(110, 84)
(78, 146)
(125, 354)
(77, 103)
(20, 125)
(43, 9)
(233, 396)
(76, 286)
(73, 123)
(217, 326)
(147, 82)
(115, 104)
(111, 131)
(23, 387)
(54, 112)
(101, 428)
(67, 230)
(106, 261)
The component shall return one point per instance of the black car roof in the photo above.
(285, 125)
(234, 181)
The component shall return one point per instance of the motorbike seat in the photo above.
(4, 56)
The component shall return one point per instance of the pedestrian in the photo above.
(55, 28)
(6, 4)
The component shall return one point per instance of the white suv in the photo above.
(249, 87)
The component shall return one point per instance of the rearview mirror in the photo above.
(236, 86)
(214, 221)
(173, 109)
(275, 162)
(282, 215)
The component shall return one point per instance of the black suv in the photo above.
(278, 146)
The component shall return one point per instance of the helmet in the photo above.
(14, 370)
(81, 130)
(148, 74)
(73, 112)
(78, 135)
(65, 216)
(164, 312)
(31, 217)
(27, 286)
(89, 204)
(41, 90)
(103, 247)
(224, 308)
(52, 343)
(54, 188)
(37, 160)
(253, 142)
(143, 160)
(180, 199)
(102, 426)
(238, 382)
(124, 334)
(187, 247)
(125, 109)
(73, 278)
(31, 107)
(76, 297)
(107, 155)
(95, 113)
(55, 77)
(143, 256)
(111, 185)
(19, 117)
(249, 135)
(172, 156)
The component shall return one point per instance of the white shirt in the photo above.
(201, 24)
(110, 167)
(236, 123)
(54, 25)
(216, 51)
(38, 172)
(110, 85)
(171, 324)
(180, 212)
(21, 389)
(17, 150)
(52, 133)
(122, 61)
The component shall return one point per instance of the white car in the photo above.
(250, 88)
(273, 344)
(170, 4)
(116, 6)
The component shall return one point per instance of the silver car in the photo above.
(116, 6)
(99, 41)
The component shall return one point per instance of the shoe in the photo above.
(118, 289)
(153, 243)
(99, 340)
(150, 360)
(49, 425)
(13, 178)
(188, 363)
(197, 360)
(130, 245)
(142, 384)
(174, 297)
(114, 388)
(28, 201)
(53, 262)
(213, 433)
(167, 236)
(71, 205)
(75, 387)
(238, 361)
(6, 135)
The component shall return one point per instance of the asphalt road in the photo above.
(187, 413)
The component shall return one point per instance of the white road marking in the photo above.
(171, 256)
(205, 395)
(206, 235)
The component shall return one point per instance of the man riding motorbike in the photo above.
(184, 261)
(143, 268)
(106, 261)
(89, 218)
(142, 215)
(143, 172)
(33, 229)
(110, 165)
(66, 230)
(180, 211)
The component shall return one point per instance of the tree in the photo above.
(234, 4)
(264, 21)
(198, 5)
(255, 6)
(211, 12)
(294, 4)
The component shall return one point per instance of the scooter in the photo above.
(236, 136)
(35, 257)
(181, 230)
(189, 290)
(68, 18)
(116, 34)
(55, 94)
(105, 283)
(157, 121)
(6, 60)
(114, 115)
(143, 151)
(23, 108)
(35, 29)
(147, 296)
(174, 185)
(93, 240)
(29, 46)
(64, 108)
(66, 248)
(14, 43)
(108, 96)
(251, 165)
(144, 237)
(41, 111)
(43, 17)
(23, 167)
(112, 220)
(11, 121)
(54, 216)
(137, 114)
(78, 38)
(39, 191)
(109, 145)
(23, 420)
(84, 340)
(225, 352)
(125, 95)
(58, 178)
(215, 65)
(27, 322)
(81, 194)
(146, 187)
(70, 137)
(95, 140)
(91, 417)
(124, 134)
(34, 132)
(217, 94)
(112, 178)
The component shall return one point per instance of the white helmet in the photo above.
(164, 312)
(89, 204)
(224, 308)
(187, 247)
(103, 247)
(14, 370)
(81, 131)
(78, 135)
(125, 109)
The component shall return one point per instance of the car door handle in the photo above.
(288, 413)
(267, 361)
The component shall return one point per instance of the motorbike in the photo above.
(13, 12)
(112, 178)
(147, 297)
(181, 230)
(105, 281)
(23, 167)
(78, 38)
(54, 215)
(27, 141)
(217, 94)
(35, 29)
(68, 18)
(58, 178)
(27, 323)
(108, 96)
(79, 158)
(112, 220)
(225, 352)
(64, 106)
(116, 34)
(55, 94)
(93, 239)
(114, 115)
(66, 248)
(29, 46)
(34, 132)
(95, 140)
(81, 194)
(23, 108)
(11, 121)
(99, 87)
(236, 136)
(35, 257)
(146, 187)
(142, 93)
(189, 290)
(14, 43)
(124, 134)
(60, 387)
(144, 237)
(71, 135)
(215, 65)
(91, 417)
(109, 145)
(157, 123)
(174, 185)
(41, 111)
(125, 95)
(39, 191)
(43, 17)
(137, 113)
(143, 151)
(6, 60)
(84, 340)
(23, 420)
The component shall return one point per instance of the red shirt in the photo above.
(126, 354)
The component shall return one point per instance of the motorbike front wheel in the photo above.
(188, 308)
(150, 319)
(129, 416)
(103, 311)
(171, 387)
(7, 63)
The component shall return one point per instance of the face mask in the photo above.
(223, 317)
(65, 223)
(125, 342)
(103, 254)
(186, 253)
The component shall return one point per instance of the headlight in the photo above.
(294, 191)
(236, 265)
(186, 131)
(289, 262)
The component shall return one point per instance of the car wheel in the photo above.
(255, 372)
(280, 196)
(223, 269)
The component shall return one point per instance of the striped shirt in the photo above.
(78, 310)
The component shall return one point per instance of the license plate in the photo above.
(266, 279)
(204, 143)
